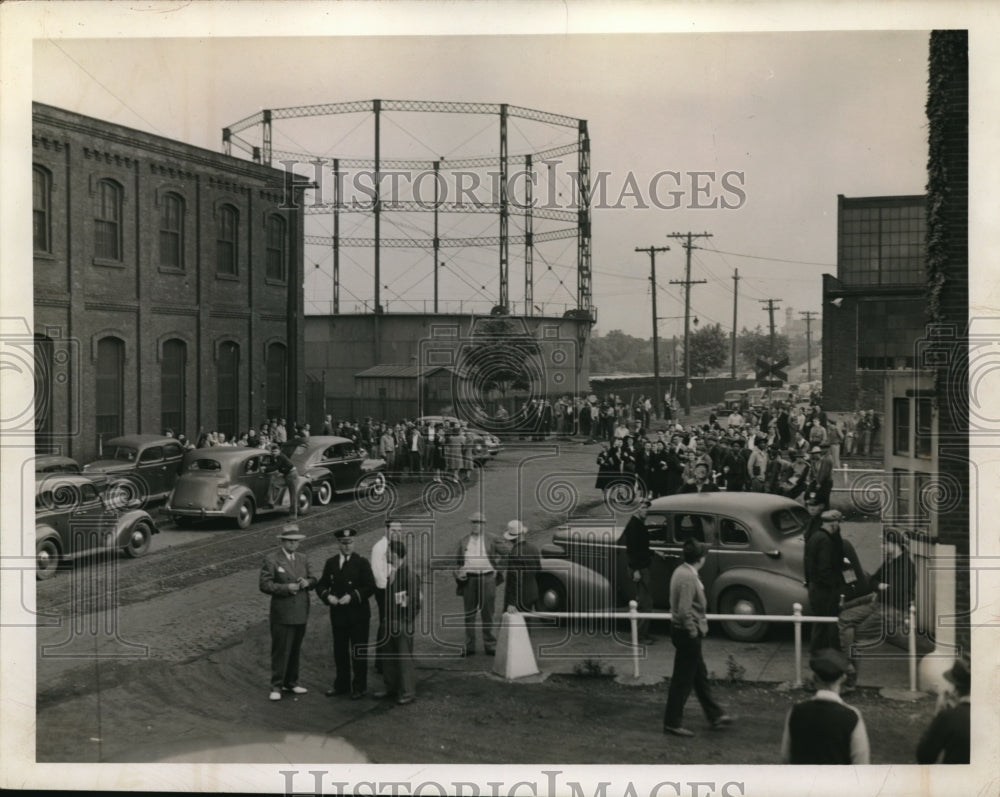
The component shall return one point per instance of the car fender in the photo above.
(317, 474)
(128, 519)
(776, 592)
(585, 588)
(43, 531)
(237, 492)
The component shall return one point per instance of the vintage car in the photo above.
(228, 482)
(335, 465)
(484, 444)
(754, 564)
(141, 468)
(731, 400)
(72, 518)
(756, 396)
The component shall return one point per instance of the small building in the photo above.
(402, 391)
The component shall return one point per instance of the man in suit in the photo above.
(824, 729)
(639, 558)
(479, 560)
(346, 586)
(287, 577)
(824, 556)
(688, 627)
(524, 562)
(401, 613)
(946, 740)
(382, 574)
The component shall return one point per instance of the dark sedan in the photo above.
(335, 466)
(141, 468)
(754, 563)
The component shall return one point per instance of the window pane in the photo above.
(107, 227)
(172, 386)
(41, 193)
(228, 388)
(110, 377)
(901, 426)
(172, 232)
(226, 236)
(924, 422)
(275, 265)
(276, 380)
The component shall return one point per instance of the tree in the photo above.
(617, 352)
(755, 344)
(709, 349)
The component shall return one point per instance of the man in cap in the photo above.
(285, 476)
(346, 586)
(946, 740)
(382, 572)
(524, 563)
(824, 555)
(479, 559)
(824, 729)
(287, 577)
(639, 558)
(401, 613)
(701, 483)
(688, 627)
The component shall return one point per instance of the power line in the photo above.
(687, 282)
(772, 259)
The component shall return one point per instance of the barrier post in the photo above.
(912, 642)
(633, 618)
(797, 611)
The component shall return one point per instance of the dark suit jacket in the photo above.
(404, 581)
(947, 737)
(276, 574)
(355, 578)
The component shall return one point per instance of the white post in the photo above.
(912, 641)
(797, 611)
(633, 611)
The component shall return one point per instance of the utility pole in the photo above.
(652, 250)
(770, 310)
(687, 283)
(809, 315)
(736, 286)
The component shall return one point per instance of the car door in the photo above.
(697, 526)
(254, 474)
(666, 557)
(152, 472)
(91, 525)
(173, 458)
(342, 460)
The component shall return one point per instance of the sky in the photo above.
(793, 119)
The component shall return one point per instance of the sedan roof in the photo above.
(731, 502)
(140, 440)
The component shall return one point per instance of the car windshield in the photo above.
(122, 453)
(792, 520)
(204, 464)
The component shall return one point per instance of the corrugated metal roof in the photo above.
(400, 371)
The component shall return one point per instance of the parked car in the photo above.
(781, 395)
(47, 464)
(227, 482)
(484, 444)
(335, 465)
(141, 468)
(754, 564)
(731, 400)
(72, 518)
(755, 396)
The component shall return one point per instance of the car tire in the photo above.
(305, 500)
(742, 600)
(244, 513)
(551, 595)
(373, 484)
(46, 559)
(324, 492)
(140, 539)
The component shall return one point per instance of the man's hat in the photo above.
(831, 516)
(701, 464)
(345, 534)
(291, 532)
(829, 664)
(815, 450)
(514, 530)
(477, 517)
(960, 675)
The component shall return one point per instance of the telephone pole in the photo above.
(652, 250)
(770, 310)
(687, 283)
(809, 315)
(736, 286)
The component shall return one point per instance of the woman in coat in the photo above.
(608, 466)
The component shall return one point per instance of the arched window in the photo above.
(277, 379)
(228, 383)
(44, 385)
(226, 237)
(108, 221)
(172, 231)
(41, 209)
(110, 382)
(277, 246)
(172, 389)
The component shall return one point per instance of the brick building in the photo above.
(167, 286)
(874, 309)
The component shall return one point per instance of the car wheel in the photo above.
(140, 539)
(244, 513)
(740, 600)
(46, 559)
(324, 492)
(305, 500)
(551, 595)
(372, 485)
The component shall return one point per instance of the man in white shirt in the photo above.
(479, 561)
(382, 571)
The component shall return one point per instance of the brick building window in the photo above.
(900, 426)
(276, 248)
(110, 384)
(228, 388)
(41, 209)
(108, 221)
(172, 231)
(172, 372)
(226, 250)
(882, 242)
(44, 385)
(277, 379)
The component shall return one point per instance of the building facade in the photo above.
(167, 287)
(874, 309)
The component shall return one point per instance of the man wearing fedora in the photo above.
(346, 586)
(524, 562)
(479, 560)
(824, 556)
(688, 627)
(946, 740)
(824, 729)
(287, 577)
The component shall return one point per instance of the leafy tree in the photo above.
(617, 352)
(710, 347)
(751, 344)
